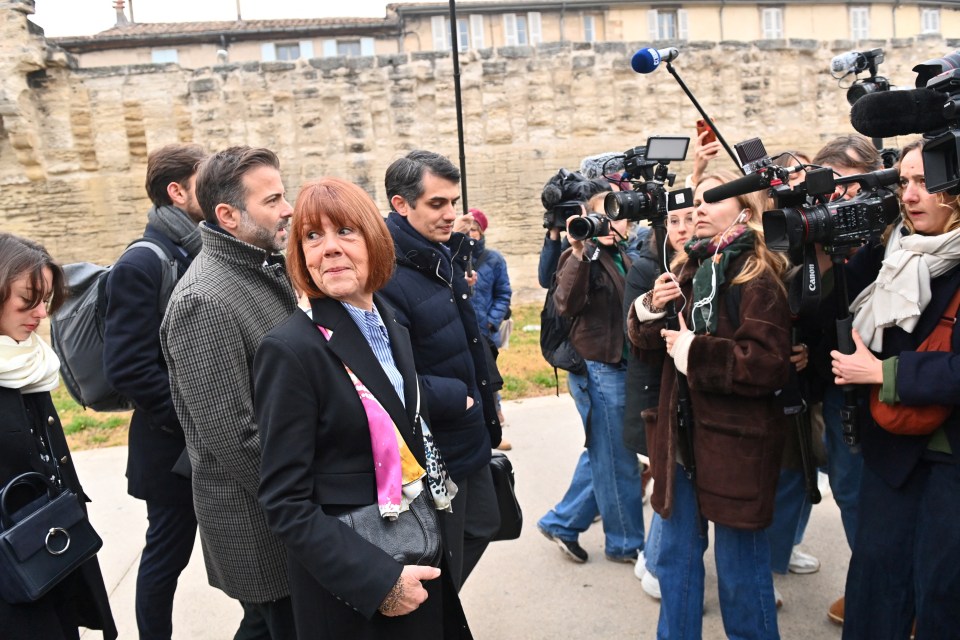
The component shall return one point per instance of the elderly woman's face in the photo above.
(338, 262)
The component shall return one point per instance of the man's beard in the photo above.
(261, 237)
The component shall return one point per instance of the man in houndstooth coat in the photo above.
(235, 291)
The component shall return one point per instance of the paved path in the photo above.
(521, 590)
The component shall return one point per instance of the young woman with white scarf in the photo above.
(31, 286)
(904, 565)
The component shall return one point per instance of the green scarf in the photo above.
(712, 273)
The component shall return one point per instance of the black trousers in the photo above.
(474, 521)
(267, 621)
(171, 532)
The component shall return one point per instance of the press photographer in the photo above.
(589, 291)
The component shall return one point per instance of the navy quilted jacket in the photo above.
(429, 294)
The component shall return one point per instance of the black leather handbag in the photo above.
(511, 517)
(413, 538)
(42, 542)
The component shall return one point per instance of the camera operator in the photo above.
(730, 454)
(847, 155)
(906, 552)
(590, 286)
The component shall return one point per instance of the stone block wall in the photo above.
(74, 142)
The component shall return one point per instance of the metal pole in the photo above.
(456, 89)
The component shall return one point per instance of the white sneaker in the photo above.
(802, 563)
(641, 567)
(650, 585)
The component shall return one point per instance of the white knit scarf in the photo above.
(30, 366)
(902, 289)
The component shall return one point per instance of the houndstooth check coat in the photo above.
(230, 297)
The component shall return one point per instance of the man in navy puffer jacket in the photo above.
(430, 294)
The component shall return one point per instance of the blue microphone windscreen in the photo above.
(645, 60)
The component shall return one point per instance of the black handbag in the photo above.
(42, 542)
(511, 517)
(413, 538)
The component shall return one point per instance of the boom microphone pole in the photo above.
(459, 102)
(703, 113)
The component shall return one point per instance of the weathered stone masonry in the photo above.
(74, 142)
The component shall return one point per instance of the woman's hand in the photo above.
(408, 594)
(670, 336)
(859, 367)
(800, 356)
(665, 289)
(702, 155)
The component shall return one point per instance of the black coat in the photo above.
(643, 378)
(317, 462)
(134, 364)
(81, 599)
(430, 297)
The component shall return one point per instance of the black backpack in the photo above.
(555, 338)
(76, 329)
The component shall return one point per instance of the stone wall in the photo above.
(74, 143)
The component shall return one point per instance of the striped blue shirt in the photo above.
(375, 331)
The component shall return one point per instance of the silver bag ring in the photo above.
(54, 531)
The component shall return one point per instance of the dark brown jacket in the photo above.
(739, 426)
(591, 292)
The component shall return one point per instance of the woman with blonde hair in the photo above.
(733, 347)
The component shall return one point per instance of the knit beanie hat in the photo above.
(481, 219)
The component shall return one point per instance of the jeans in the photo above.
(651, 553)
(171, 532)
(743, 574)
(790, 515)
(844, 466)
(905, 559)
(607, 476)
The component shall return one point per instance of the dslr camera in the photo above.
(647, 169)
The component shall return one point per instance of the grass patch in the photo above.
(525, 375)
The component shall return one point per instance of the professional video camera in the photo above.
(933, 109)
(564, 195)
(805, 214)
(648, 199)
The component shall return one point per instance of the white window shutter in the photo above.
(510, 29)
(268, 52)
(306, 49)
(653, 24)
(439, 27)
(366, 47)
(329, 48)
(682, 24)
(535, 32)
(476, 31)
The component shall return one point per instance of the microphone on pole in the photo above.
(647, 60)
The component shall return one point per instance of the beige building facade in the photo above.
(482, 24)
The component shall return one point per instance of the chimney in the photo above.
(121, 15)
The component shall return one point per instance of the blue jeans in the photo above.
(843, 465)
(743, 574)
(790, 515)
(607, 476)
(651, 554)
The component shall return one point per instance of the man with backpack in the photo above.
(137, 292)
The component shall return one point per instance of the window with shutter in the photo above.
(476, 31)
(535, 33)
(268, 52)
(929, 20)
(510, 29)
(463, 34)
(859, 23)
(589, 29)
(441, 34)
(306, 49)
(771, 19)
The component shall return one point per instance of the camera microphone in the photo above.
(847, 62)
(898, 113)
(741, 186)
(647, 60)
